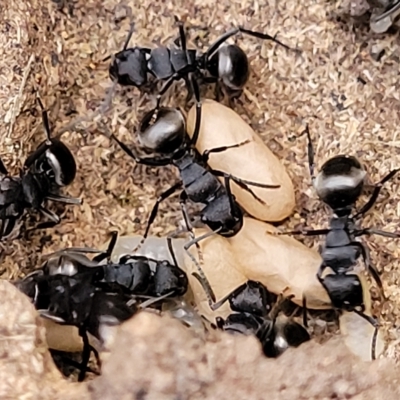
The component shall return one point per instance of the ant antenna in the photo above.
(45, 119)
(128, 38)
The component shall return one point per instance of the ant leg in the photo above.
(110, 248)
(232, 202)
(97, 356)
(3, 169)
(375, 324)
(370, 267)
(149, 161)
(154, 300)
(391, 10)
(221, 302)
(171, 251)
(376, 192)
(223, 38)
(305, 232)
(189, 89)
(2, 228)
(85, 354)
(244, 181)
(310, 154)
(164, 89)
(63, 199)
(368, 318)
(50, 214)
(218, 91)
(305, 319)
(71, 362)
(163, 196)
(206, 154)
(55, 219)
(182, 36)
(200, 276)
(68, 250)
(277, 307)
(196, 91)
(373, 231)
(189, 82)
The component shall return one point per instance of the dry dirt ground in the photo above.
(344, 84)
(183, 366)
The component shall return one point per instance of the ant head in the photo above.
(166, 134)
(169, 278)
(54, 159)
(345, 291)
(129, 67)
(230, 64)
(252, 297)
(340, 182)
(285, 333)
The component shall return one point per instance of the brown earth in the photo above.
(339, 85)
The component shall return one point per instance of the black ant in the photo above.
(167, 139)
(49, 168)
(222, 63)
(131, 274)
(75, 300)
(71, 289)
(339, 184)
(255, 312)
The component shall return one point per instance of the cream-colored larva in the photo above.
(254, 161)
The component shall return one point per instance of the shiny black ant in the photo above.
(167, 139)
(255, 312)
(222, 63)
(131, 274)
(71, 289)
(49, 168)
(75, 300)
(339, 184)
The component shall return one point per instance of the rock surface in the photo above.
(159, 359)
(26, 368)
